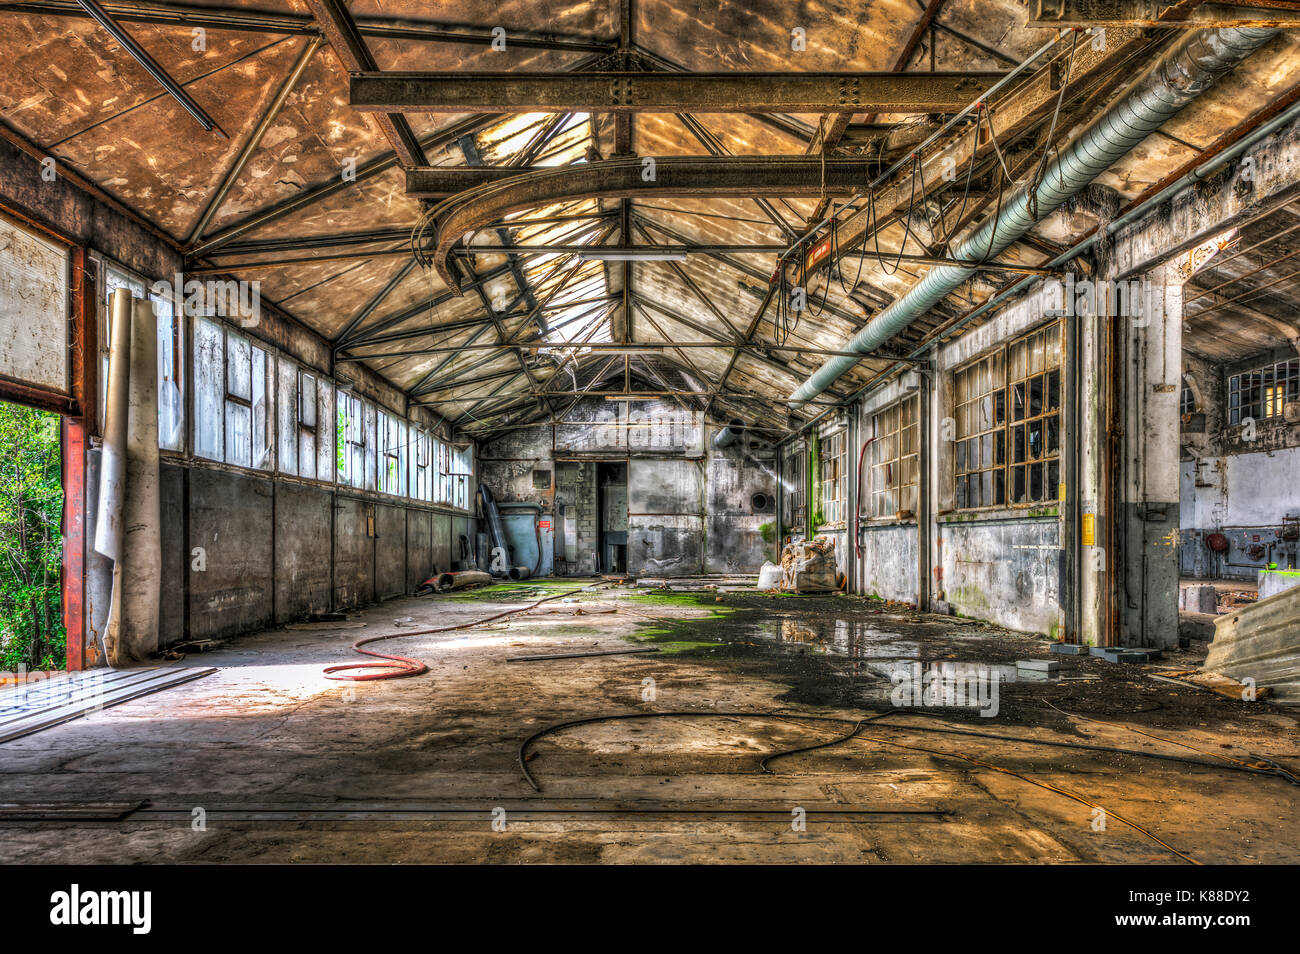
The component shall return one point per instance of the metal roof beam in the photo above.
(653, 92)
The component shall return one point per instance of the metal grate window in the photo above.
(1263, 392)
(306, 424)
(390, 460)
(795, 510)
(981, 433)
(351, 440)
(247, 404)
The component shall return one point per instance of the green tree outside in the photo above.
(31, 544)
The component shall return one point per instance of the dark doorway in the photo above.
(611, 488)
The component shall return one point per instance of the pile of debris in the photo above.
(807, 566)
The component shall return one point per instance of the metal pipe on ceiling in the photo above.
(1185, 71)
(1156, 196)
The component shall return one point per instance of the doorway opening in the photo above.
(611, 509)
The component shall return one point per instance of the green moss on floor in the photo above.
(516, 589)
(681, 635)
(705, 599)
(671, 639)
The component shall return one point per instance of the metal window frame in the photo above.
(389, 454)
(344, 403)
(269, 384)
(795, 470)
(898, 411)
(1257, 391)
(1049, 492)
(1004, 430)
(302, 427)
(832, 496)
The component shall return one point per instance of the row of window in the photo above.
(833, 495)
(1009, 424)
(256, 409)
(1007, 415)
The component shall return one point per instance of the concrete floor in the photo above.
(269, 731)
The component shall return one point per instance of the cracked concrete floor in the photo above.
(269, 732)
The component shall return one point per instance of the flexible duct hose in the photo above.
(1186, 70)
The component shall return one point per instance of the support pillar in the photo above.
(1092, 588)
(1147, 518)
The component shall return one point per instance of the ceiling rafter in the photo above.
(294, 24)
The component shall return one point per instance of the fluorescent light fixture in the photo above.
(659, 254)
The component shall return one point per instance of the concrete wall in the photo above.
(576, 517)
(689, 505)
(274, 550)
(1244, 497)
(1235, 481)
(1004, 570)
(888, 565)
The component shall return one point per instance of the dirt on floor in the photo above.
(910, 738)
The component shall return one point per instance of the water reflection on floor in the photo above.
(877, 659)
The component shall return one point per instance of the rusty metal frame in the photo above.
(151, 66)
(645, 91)
(294, 24)
(350, 47)
(1184, 14)
(254, 139)
(729, 176)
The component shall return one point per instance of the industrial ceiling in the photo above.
(494, 306)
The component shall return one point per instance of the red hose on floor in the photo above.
(402, 666)
(857, 497)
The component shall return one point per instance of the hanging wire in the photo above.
(1037, 178)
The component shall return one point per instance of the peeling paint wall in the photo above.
(1008, 571)
(1234, 481)
(1244, 497)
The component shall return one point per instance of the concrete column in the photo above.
(941, 465)
(1150, 372)
(1092, 572)
(852, 444)
(924, 504)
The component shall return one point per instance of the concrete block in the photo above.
(1069, 649)
(1125, 654)
(1273, 582)
(1038, 665)
(1198, 599)
(1034, 675)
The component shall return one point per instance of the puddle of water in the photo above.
(849, 639)
(830, 661)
